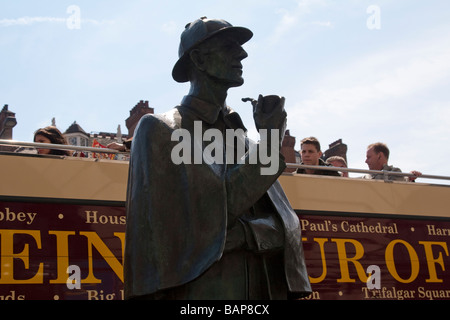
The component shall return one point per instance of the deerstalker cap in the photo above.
(198, 31)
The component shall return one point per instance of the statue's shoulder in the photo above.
(169, 120)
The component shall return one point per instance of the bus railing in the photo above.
(385, 173)
(38, 145)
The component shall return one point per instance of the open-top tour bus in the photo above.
(62, 231)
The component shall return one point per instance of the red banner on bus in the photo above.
(53, 251)
(405, 258)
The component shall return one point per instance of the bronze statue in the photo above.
(215, 229)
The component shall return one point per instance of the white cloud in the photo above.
(25, 21)
(292, 18)
(380, 78)
(327, 24)
(170, 27)
(28, 21)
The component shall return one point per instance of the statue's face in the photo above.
(222, 60)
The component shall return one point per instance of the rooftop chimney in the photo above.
(7, 123)
(136, 114)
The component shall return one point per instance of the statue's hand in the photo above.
(269, 113)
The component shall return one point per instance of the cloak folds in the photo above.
(178, 215)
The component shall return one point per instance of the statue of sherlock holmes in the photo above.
(218, 226)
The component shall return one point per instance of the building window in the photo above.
(73, 141)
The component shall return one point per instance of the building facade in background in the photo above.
(77, 136)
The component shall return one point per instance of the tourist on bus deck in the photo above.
(377, 157)
(52, 135)
(122, 147)
(310, 153)
(337, 161)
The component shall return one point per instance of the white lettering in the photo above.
(374, 280)
(374, 21)
(11, 216)
(267, 151)
(74, 280)
(94, 218)
(73, 21)
(197, 310)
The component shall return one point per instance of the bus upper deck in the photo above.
(59, 214)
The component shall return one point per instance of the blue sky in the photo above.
(345, 70)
